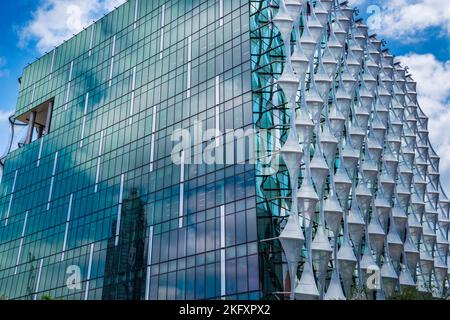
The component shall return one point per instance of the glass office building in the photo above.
(92, 205)
(95, 186)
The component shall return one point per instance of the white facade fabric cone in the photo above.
(333, 213)
(319, 170)
(321, 252)
(347, 263)
(334, 291)
(389, 278)
(405, 278)
(395, 244)
(356, 225)
(376, 235)
(307, 199)
(304, 126)
(355, 137)
(307, 287)
(292, 240)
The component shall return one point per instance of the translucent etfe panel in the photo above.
(91, 254)
(136, 13)
(149, 262)
(119, 210)
(222, 252)
(153, 138)
(113, 53)
(66, 232)
(19, 254)
(69, 83)
(221, 13)
(41, 144)
(11, 197)
(189, 67)
(99, 160)
(163, 22)
(181, 208)
(52, 66)
(133, 87)
(38, 280)
(91, 39)
(83, 126)
(52, 181)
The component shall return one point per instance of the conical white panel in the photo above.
(334, 291)
(374, 178)
(307, 287)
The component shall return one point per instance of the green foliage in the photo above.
(413, 294)
(48, 298)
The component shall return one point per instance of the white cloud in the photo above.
(406, 20)
(355, 3)
(4, 115)
(433, 88)
(57, 20)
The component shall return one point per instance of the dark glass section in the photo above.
(125, 262)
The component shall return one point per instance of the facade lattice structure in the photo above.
(341, 201)
(360, 194)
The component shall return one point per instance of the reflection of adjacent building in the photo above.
(125, 262)
(31, 280)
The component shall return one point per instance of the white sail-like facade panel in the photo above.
(368, 216)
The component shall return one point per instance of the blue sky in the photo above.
(417, 31)
(12, 60)
(29, 28)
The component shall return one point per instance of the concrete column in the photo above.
(48, 121)
(31, 127)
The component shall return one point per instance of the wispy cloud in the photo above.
(355, 3)
(3, 72)
(433, 88)
(408, 20)
(4, 115)
(57, 20)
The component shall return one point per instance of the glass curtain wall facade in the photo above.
(97, 190)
